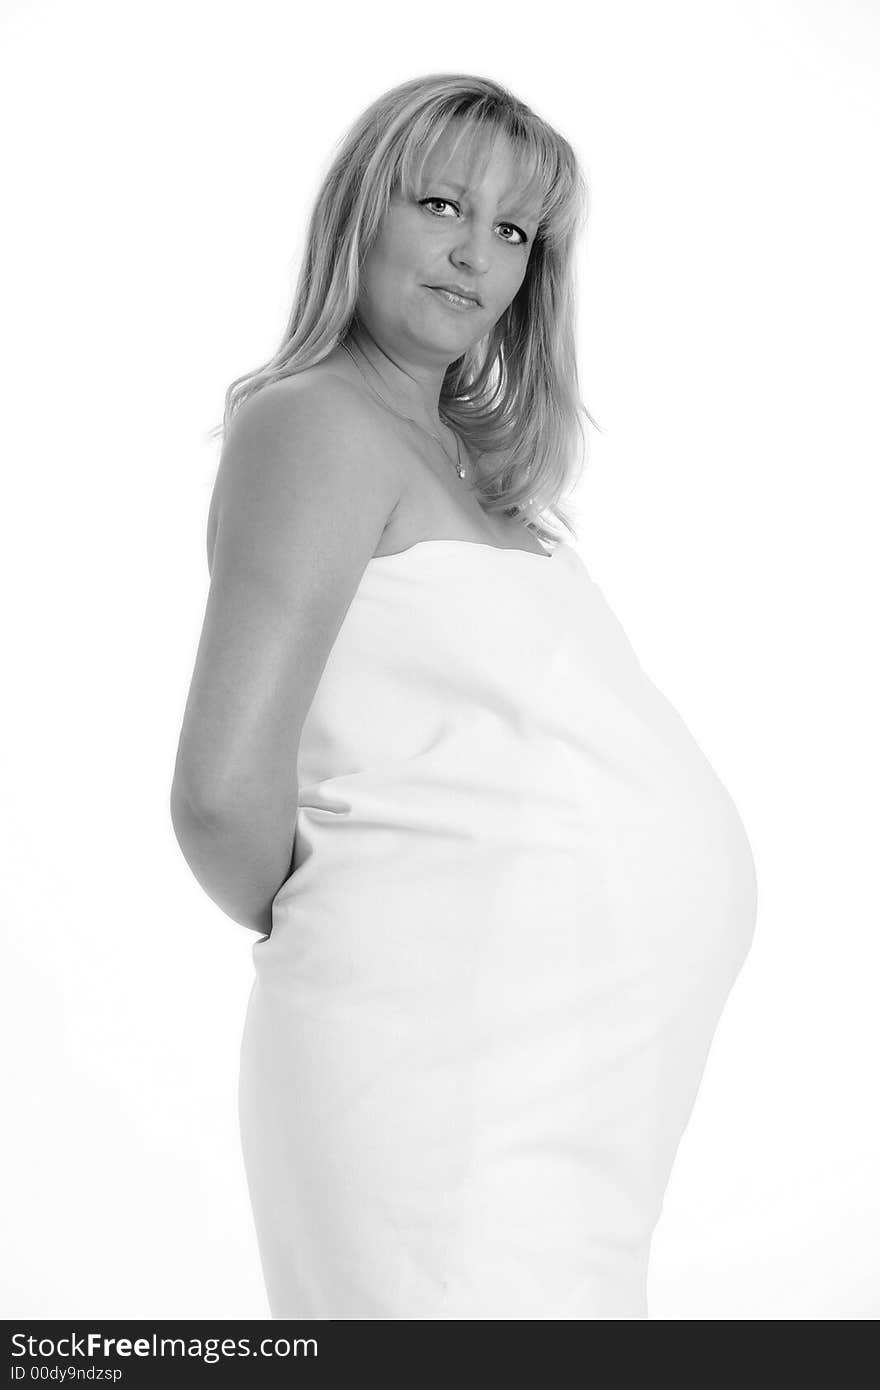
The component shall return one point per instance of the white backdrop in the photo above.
(161, 160)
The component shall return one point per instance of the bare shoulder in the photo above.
(306, 454)
(319, 416)
(316, 388)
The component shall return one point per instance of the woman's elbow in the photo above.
(237, 875)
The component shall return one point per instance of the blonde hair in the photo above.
(513, 396)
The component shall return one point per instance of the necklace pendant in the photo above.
(458, 465)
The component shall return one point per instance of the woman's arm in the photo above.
(240, 864)
(303, 493)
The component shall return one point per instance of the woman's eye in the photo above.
(520, 237)
(444, 201)
(519, 232)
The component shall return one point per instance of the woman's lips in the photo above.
(454, 301)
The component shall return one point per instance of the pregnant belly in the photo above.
(399, 879)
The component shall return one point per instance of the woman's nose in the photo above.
(473, 248)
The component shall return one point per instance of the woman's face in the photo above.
(465, 226)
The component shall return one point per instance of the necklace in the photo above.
(458, 465)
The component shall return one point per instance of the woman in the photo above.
(501, 895)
